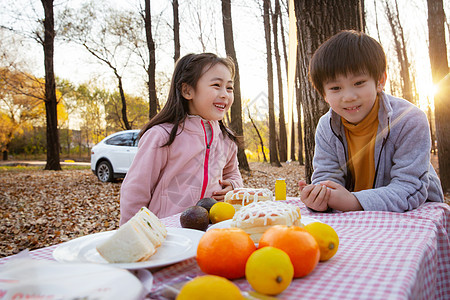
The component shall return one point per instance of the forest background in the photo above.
(113, 61)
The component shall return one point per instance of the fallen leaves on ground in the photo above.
(40, 208)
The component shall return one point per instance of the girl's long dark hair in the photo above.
(188, 70)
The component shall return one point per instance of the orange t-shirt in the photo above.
(361, 148)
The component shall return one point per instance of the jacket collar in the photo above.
(194, 125)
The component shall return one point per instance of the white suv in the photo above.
(112, 157)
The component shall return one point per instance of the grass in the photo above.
(43, 157)
(20, 168)
(76, 167)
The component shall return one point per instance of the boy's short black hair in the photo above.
(345, 53)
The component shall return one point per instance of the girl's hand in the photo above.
(226, 187)
(315, 196)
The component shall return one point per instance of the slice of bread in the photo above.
(136, 240)
(153, 222)
(127, 244)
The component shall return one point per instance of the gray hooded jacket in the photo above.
(404, 176)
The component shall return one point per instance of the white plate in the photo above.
(48, 279)
(180, 244)
(227, 223)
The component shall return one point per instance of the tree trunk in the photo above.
(176, 31)
(440, 69)
(376, 21)
(301, 161)
(298, 96)
(283, 42)
(408, 78)
(261, 142)
(124, 102)
(272, 132)
(50, 89)
(236, 108)
(68, 140)
(292, 138)
(126, 124)
(430, 123)
(283, 39)
(316, 22)
(281, 120)
(400, 48)
(362, 15)
(153, 100)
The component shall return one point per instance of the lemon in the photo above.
(209, 287)
(326, 237)
(269, 270)
(221, 211)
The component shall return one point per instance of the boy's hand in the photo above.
(315, 196)
(226, 187)
(301, 185)
(340, 197)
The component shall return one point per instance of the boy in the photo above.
(372, 150)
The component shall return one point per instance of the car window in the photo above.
(135, 139)
(124, 139)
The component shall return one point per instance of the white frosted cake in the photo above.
(257, 217)
(244, 196)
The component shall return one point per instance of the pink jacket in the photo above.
(169, 179)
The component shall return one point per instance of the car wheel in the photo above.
(105, 172)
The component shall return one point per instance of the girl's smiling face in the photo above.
(213, 95)
(353, 96)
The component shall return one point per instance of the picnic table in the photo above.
(382, 255)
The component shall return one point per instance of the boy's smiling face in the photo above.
(352, 96)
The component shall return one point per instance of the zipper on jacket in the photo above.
(348, 177)
(379, 155)
(205, 164)
(339, 138)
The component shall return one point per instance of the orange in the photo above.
(298, 243)
(224, 252)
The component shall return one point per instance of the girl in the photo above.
(185, 152)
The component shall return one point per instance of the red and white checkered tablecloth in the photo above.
(382, 255)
